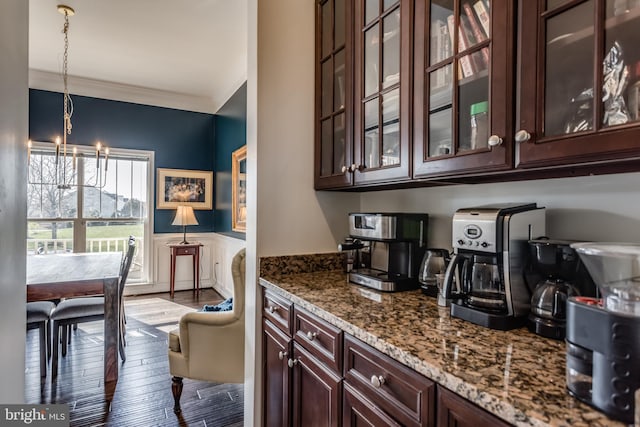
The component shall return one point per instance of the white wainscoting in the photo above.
(216, 255)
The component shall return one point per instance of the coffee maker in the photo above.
(388, 249)
(490, 254)
(603, 335)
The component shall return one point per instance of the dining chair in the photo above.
(209, 345)
(38, 316)
(88, 309)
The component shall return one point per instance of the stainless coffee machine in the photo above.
(384, 250)
(486, 270)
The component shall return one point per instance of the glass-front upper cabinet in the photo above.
(580, 81)
(382, 91)
(463, 82)
(333, 94)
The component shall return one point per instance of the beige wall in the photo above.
(600, 208)
(14, 101)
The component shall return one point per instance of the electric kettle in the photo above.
(434, 262)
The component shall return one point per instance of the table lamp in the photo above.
(184, 216)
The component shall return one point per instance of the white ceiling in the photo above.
(186, 54)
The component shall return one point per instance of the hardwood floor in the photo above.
(143, 394)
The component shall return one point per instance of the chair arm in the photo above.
(214, 324)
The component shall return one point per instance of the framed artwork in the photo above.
(239, 189)
(184, 187)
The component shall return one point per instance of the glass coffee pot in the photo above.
(484, 287)
(434, 262)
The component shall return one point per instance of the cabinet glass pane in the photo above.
(326, 147)
(339, 81)
(391, 49)
(568, 104)
(340, 28)
(440, 125)
(371, 60)
(339, 142)
(327, 37)
(474, 24)
(473, 110)
(552, 4)
(386, 4)
(327, 75)
(371, 131)
(440, 87)
(441, 42)
(621, 64)
(391, 128)
(371, 10)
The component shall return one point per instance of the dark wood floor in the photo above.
(143, 394)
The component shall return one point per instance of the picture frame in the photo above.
(184, 187)
(239, 189)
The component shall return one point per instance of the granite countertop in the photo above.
(516, 375)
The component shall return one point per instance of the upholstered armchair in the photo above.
(209, 346)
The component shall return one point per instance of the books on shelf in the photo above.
(478, 32)
(482, 11)
(466, 66)
(440, 50)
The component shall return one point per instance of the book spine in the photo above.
(451, 27)
(483, 16)
(478, 32)
(468, 67)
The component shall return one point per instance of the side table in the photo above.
(192, 249)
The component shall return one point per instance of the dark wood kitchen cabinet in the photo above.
(453, 410)
(363, 134)
(302, 360)
(333, 102)
(463, 87)
(579, 82)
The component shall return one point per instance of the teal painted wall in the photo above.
(231, 134)
(180, 139)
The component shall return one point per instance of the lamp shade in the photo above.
(184, 216)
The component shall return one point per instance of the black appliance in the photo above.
(603, 335)
(387, 249)
(558, 265)
(490, 253)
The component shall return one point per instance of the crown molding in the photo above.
(45, 80)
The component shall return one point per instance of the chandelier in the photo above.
(62, 162)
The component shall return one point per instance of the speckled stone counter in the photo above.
(516, 375)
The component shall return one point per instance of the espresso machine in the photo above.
(490, 254)
(603, 335)
(384, 250)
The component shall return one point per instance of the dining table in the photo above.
(67, 275)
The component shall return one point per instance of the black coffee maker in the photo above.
(559, 266)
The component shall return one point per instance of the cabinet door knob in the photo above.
(522, 136)
(345, 169)
(494, 140)
(352, 168)
(293, 362)
(282, 355)
(360, 167)
(311, 335)
(377, 382)
(272, 309)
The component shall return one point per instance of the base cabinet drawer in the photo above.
(454, 410)
(358, 411)
(403, 394)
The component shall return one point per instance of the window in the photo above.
(92, 206)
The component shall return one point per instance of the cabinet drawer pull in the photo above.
(293, 362)
(522, 136)
(377, 382)
(494, 141)
(311, 335)
(282, 355)
(272, 309)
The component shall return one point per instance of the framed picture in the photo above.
(239, 189)
(184, 187)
